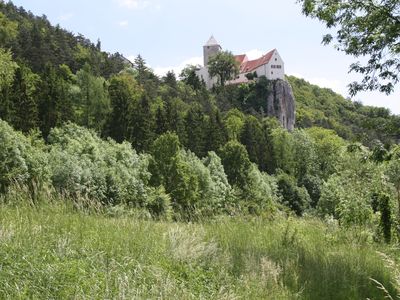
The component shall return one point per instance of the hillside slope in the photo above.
(316, 106)
(61, 77)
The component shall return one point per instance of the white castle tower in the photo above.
(211, 48)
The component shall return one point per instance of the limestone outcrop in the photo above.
(281, 103)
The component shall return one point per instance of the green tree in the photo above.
(386, 216)
(223, 65)
(196, 130)
(24, 96)
(7, 72)
(183, 175)
(294, 197)
(364, 28)
(164, 150)
(124, 93)
(141, 124)
(94, 101)
(7, 69)
(234, 122)
(393, 173)
(57, 95)
(8, 30)
(236, 163)
(253, 139)
(143, 72)
(216, 135)
(188, 76)
(283, 151)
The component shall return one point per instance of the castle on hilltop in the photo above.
(269, 65)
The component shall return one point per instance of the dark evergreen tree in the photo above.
(141, 129)
(161, 121)
(253, 139)
(49, 94)
(24, 99)
(123, 92)
(216, 135)
(196, 130)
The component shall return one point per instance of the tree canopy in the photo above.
(368, 30)
(223, 65)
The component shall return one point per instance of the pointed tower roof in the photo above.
(212, 42)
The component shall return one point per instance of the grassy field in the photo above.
(55, 252)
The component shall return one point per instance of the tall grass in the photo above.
(54, 250)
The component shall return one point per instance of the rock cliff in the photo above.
(281, 103)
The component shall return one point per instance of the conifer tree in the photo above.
(216, 135)
(124, 93)
(195, 130)
(141, 129)
(24, 99)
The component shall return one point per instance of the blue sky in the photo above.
(170, 34)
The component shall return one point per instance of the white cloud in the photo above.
(134, 4)
(123, 23)
(131, 58)
(333, 84)
(254, 53)
(161, 71)
(65, 17)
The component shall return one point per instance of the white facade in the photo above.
(269, 65)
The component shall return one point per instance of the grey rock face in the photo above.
(281, 103)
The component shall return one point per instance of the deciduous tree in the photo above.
(369, 29)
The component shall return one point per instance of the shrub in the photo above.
(83, 164)
(294, 197)
(22, 159)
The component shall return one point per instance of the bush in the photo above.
(84, 165)
(294, 197)
(22, 159)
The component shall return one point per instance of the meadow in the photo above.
(56, 250)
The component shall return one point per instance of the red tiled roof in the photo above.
(250, 65)
(241, 58)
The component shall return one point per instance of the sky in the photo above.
(170, 34)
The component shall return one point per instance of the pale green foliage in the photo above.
(393, 174)
(8, 29)
(93, 98)
(195, 187)
(234, 122)
(328, 149)
(7, 69)
(219, 190)
(347, 194)
(22, 160)
(331, 193)
(305, 154)
(261, 190)
(283, 151)
(83, 164)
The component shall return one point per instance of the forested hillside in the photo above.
(50, 76)
(351, 120)
(52, 79)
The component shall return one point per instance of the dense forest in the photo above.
(219, 144)
(90, 128)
